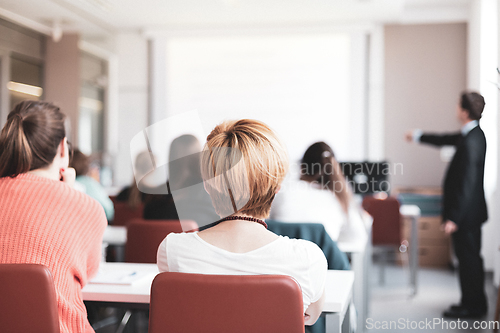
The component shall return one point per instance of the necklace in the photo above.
(245, 218)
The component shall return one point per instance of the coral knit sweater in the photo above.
(47, 222)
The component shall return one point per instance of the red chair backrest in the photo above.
(27, 299)
(124, 213)
(186, 303)
(144, 237)
(386, 229)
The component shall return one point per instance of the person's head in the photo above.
(184, 158)
(143, 164)
(470, 106)
(80, 162)
(243, 165)
(316, 162)
(319, 165)
(33, 138)
(184, 145)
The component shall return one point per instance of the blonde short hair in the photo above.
(243, 164)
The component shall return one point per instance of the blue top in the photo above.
(95, 190)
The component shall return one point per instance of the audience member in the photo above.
(242, 165)
(322, 195)
(81, 163)
(44, 219)
(131, 194)
(186, 197)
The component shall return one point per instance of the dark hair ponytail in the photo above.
(30, 138)
(319, 165)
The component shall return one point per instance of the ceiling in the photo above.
(108, 17)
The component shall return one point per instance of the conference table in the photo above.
(339, 285)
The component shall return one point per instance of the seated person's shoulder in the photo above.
(180, 239)
(159, 207)
(123, 195)
(305, 249)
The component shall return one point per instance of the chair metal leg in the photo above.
(497, 312)
(124, 321)
(383, 259)
(405, 259)
(104, 323)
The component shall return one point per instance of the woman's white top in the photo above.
(304, 202)
(301, 259)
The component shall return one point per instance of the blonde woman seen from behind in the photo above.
(246, 157)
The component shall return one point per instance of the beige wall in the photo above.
(425, 71)
(133, 96)
(62, 78)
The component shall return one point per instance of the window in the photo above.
(26, 78)
(91, 105)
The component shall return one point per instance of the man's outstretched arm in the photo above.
(439, 140)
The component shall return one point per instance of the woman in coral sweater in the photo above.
(43, 220)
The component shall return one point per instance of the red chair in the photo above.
(124, 213)
(144, 237)
(186, 303)
(27, 299)
(386, 228)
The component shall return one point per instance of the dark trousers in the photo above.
(467, 246)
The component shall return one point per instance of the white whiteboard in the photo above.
(300, 85)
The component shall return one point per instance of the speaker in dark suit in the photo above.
(464, 204)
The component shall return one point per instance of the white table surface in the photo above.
(410, 210)
(357, 246)
(360, 253)
(135, 293)
(338, 288)
(115, 235)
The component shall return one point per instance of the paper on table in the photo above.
(121, 277)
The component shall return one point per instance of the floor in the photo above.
(438, 289)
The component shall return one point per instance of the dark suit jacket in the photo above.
(463, 190)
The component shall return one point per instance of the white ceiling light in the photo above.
(25, 88)
(90, 103)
